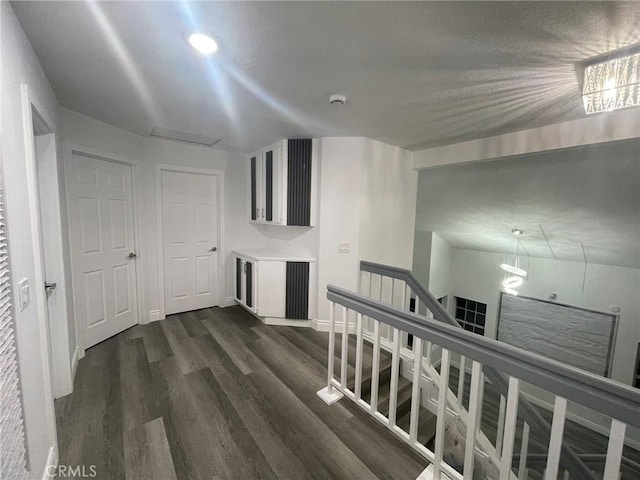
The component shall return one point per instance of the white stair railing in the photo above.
(457, 455)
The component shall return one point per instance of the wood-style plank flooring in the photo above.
(215, 394)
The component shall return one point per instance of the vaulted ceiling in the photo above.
(416, 74)
(577, 204)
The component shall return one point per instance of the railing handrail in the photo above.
(436, 308)
(603, 395)
(530, 414)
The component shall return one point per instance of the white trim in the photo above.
(606, 127)
(286, 322)
(222, 258)
(322, 325)
(28, 104)
(154, 315)
(69, 150)
(228, 302)
(51, 464)
(77, 355)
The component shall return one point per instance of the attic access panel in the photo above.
(575, 336)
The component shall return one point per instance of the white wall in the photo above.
(340, 194)
(19, 64)
(422, 257)
(477, 276)
(387, 205)
(440, 267)
(148, 152)
(613, 126)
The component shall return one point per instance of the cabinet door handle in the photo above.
(257, 213)
(263, 213)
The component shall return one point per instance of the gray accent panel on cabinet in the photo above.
(299, 182)
(254, 189)
(249, 283)
(238, 279)
(297, 291)
(269, 186)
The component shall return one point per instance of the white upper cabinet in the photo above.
(283, 183)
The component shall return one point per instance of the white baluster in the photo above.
(500, 432)
(428, 354)
(329, 394)
(442, 412)
(332, 342)
(566, 475)
(555, 440)
(395, 374)
(375, 366)
(524, 452)
(358, 385)
(391, 302)
(404, 295)
(614, 449)
(415, 389)
(345, 346)
(473, 424)
(417, 306)
(513, 396)
(461, 376)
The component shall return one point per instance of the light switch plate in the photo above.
(23, 293)
(343, 247)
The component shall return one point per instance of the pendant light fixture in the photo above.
(514, 274)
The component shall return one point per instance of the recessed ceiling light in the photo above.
(517, 232)
(203, 43)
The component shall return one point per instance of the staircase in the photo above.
(482, 427)
(427, 424)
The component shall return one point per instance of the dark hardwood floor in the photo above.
(215, 394)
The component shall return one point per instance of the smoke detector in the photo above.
(338, 100)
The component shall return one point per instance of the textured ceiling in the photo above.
(584, 197)
(416, 74)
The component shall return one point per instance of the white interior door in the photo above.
(189, 238)
(103, 250)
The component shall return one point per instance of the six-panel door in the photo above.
(102, 237)
(189, 237)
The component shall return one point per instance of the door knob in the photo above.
(214, 249)
(131, 256)
(50, 287)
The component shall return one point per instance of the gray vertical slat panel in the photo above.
(238, 278)
(249, 285)
(269, 187)
(299, 182)
(254, 193)
(297, 290)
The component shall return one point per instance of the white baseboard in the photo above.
(154, 315)
(323, 326)
(50, 467)
(228, 302)
(286, 322)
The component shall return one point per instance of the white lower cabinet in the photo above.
(274, 285)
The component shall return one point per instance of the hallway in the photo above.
(215, 394)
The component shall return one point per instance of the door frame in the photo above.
(71, 149)
(30, 105)
(222, 280)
